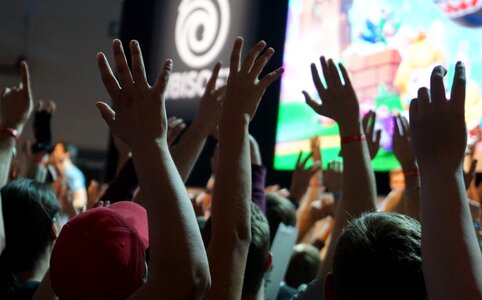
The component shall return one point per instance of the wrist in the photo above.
(233, 124)
(350, 129)
(200, 127)
(11, 132)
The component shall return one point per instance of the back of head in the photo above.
(279, 210)
(29, 209)
(303, 266)
(258, 253)
(379, 257)
(100, 254)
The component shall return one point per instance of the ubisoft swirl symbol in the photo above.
(201, 30)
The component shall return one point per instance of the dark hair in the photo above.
(258, 250)
(379, 257)
(303, 266)
(279, 210)
(28, 208)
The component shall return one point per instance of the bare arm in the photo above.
(231, 228)
(340, 103)
(176, 248)
(402, 148)
(16, 105)
(186, 152)
(452, 262)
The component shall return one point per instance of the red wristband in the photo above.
(12, 132)
(411, 172)
(353, 138)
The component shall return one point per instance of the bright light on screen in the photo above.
(389, 48)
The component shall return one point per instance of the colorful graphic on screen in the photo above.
(389, 49)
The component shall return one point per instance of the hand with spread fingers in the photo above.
(402, 143)
(373, 136)
(338, 99)
(16, 103)
(244, 90)
(437, 125)
(138, 113)
(300, 179)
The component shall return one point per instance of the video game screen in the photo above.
(389, 49)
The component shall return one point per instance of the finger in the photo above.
(316, 106)
(437, 89)
(163, 78)
(457, 95)
(378, 137)
(366, 121)
(413, 110)
(125, 77)
(326, 72)
(405, 126)
(219, 94)
(25, 76)
(251, 57)
(138, 69)
(40, 106)
(396, 129)
(344, 73)
(235, 60)
(211, 85)
(334, 75)
(110, 82)
(106, 112)
(299, 158)
(473, 165)
(261, 63)
(51, 107)
(423, 100)
(268, 79)
(306, 159)
(317, 81)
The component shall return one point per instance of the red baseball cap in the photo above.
(100, 254)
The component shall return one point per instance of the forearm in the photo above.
(411, 197)
(448, 236)
(231, 224)
(186, 152)
(123, 186)
(358, 189)
(171, 222)
(7, 144)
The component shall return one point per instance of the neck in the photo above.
(38, 272)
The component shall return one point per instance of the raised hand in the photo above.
(437, 125)
(402, 143)
(210, 107)
(174, 127)
(244, 90)
(41, 127)
(138, 114)
(333, 177)
(372, 136)
(469, 176)
(301, 177)
(315, 145)
(16, 103)
(338, 99)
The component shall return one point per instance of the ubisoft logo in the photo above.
(201, 30)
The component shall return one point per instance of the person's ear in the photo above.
(269, 262)
(329, 287)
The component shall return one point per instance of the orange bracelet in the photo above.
(12, 132)
(353, 138)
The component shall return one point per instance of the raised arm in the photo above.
(452, 262)
(339, 102)
(16, 105)
(231, 228)
(402, 148)
(139, 119)
(186, 152)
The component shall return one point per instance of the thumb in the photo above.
(106, 112)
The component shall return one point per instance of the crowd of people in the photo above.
(146, 235)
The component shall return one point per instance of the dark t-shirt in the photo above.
(26, 291)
